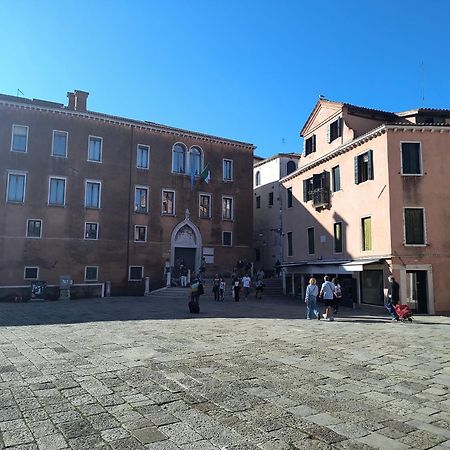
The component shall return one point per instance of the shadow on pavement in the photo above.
(154, 308)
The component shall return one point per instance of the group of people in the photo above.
(330, 292)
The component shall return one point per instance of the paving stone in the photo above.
(51, 442)
(76, 428)
(91, 442)
(103, 421)
(422, 440)
(16, 437)
(148, 435)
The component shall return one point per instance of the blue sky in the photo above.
(247, 70)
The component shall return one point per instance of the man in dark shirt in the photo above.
(393, 297)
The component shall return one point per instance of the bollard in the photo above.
(147, 287)
(108, 289)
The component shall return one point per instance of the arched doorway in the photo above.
(186, 243)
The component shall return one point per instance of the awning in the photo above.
(358, 264)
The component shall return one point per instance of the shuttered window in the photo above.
(310, 145)
(289, 243)
(311, 239)
(411, 158)
(414, 226)
(336, 178)
(338, 237)
(366, 228)
(335, 130)
(289, 197)
(364, 167)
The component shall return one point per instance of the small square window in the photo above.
(91, 273)
(310, 145)
(59, 146)
(364, 167)
(140, 233)
(226, 238)
(136, 273)
(91, 230)
(270, 198)
(34, 228)
(19, 138)
(335, 130)
(95, 149)
(31, 273)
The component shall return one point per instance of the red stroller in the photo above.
(404, 312)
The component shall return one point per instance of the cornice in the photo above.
(115, 120)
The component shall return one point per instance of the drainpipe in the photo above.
(130, 194)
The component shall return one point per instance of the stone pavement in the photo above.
(137, 373)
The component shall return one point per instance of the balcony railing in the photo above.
(321, 197)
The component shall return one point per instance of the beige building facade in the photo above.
(366, 203)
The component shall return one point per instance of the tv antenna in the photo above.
(422, 81)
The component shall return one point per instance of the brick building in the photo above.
(105, 198)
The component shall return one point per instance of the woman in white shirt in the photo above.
(312, 291)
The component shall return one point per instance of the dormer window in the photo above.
(310, 145)
(335, 130)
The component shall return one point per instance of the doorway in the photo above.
(417, 290)
(186, 256)
(372, 287)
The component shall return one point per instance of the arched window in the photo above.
(195, 160)
(179, 158)
(290, 167)
(258, 178)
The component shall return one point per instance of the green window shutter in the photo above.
(356, 170)
(367, 233)
(305, 190)
(329, 133)
(313, 143)
(370, 165)
(339, 131)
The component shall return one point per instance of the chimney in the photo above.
(81, 100)
(71, 103)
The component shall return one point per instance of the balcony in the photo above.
(320, 197)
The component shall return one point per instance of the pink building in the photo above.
(363, 204)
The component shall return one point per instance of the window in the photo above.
(95, 149)
(364, 167)
(258, 202)
(311, 241)
(93, 192)
(34, 228)
(414, 226)
(168, 203)
(15, 191)
(179, 158)
(226, 238)
(336, 178)
(290, 167)
(227, 169)
(307, 189)
(270, 198)
(411, 158)
(289, 243)
(258, 178)
(91, 273)
(31, 273)
(310, 145)
(366, 228)
(135, 273)
(289, 197)
(205, 206)
(195, 160)
(335, 130)
(141, 199)
(338, 237)
(59, 146)
(227, 208)
(91, 230)
(257, 254)
(142, 156)
(19, 141)
(57, 192)
(140, 233)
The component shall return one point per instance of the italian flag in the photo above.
(206, 174)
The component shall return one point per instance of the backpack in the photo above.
(200, 289)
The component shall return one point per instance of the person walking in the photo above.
(222, 286)
(393, 297)
(246, 280)
(312, 291)
(183, 273)
(216, 286)
(337, 295)
(236, 288)
(327, 293)
(259, 287)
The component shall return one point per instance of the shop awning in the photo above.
(358, 265)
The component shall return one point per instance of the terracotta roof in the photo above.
(277, 155)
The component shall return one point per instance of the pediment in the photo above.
(323, 110)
